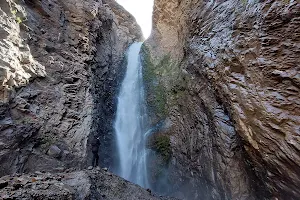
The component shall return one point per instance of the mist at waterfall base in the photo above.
(137, 163)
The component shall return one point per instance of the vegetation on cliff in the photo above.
(156, 92)
(160, 143)
(164, 82)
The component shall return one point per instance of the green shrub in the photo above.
(161, 145)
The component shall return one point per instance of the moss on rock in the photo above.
(162, 145)
(156, 91)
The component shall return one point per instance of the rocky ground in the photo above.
(90, 184)
(228, 77)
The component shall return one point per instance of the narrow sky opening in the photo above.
(142, 11)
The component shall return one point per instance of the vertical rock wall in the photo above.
(234, 111)
(117, 32)
(58, 65)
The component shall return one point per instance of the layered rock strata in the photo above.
(229, 75)
(60, 65)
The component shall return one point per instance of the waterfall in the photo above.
(130, 124)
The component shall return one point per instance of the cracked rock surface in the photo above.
(91, 184)
(58, 59)
(232, 95)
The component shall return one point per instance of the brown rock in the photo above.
(54, 66)
(235, 122)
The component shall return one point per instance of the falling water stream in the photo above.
(131, 122)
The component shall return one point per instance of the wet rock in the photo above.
(108, 71)
(234, 112)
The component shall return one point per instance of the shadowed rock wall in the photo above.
(60, 64)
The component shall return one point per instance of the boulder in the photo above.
(54, 151)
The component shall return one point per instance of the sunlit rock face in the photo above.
(233, 113)
(17, 64)
(60, 66)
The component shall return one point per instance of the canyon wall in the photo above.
(225, 79)
(60, 66)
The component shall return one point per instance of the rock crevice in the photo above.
(234, 107)
(60, 68)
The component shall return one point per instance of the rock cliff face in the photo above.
(60, 65)
(226, 77)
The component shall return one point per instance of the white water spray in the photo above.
(131, 120)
